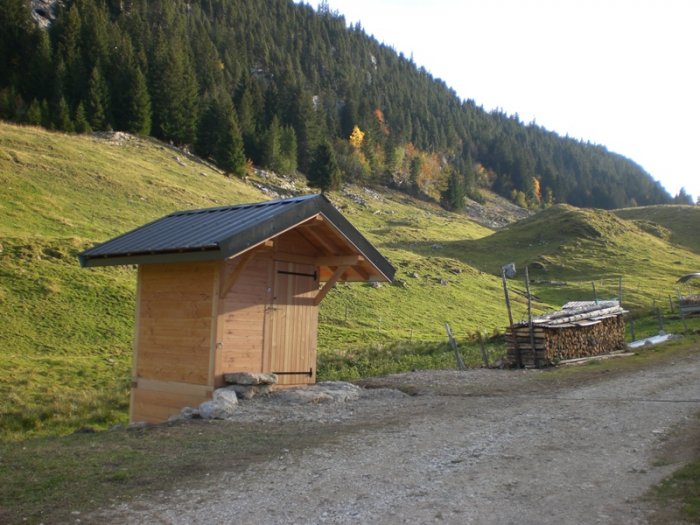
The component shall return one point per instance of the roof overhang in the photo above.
(314, 216)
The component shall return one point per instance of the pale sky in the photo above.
(621, 73)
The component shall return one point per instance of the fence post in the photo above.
(518, 357)
(529, 318)
(484, 355)
(458, 356)
(632, 330)
(595, 295)
(659, 317)
(619, 291)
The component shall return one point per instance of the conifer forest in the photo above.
(284, 87)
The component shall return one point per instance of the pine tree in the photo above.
(33, 115)
(139, 105)
(81, 124)
(272, 149)
(208, 131)
(229, 153)
(66, 34)
(173, 89)
(98, 101)
(288, 150)
(323, 171)
(453, 196)
(219, 138)
(61, 116)
(38, 79)
(15, 30)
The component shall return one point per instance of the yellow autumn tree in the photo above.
(536, 189)
(356, 137)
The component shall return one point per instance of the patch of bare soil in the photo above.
(496, 212)
(481, 446)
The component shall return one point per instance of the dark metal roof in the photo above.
(218, 233)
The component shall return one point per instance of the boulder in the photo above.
(222, 405)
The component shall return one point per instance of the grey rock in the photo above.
(251, 391)
(509, 270)
(222, 405)
(207, 410)
(189, 413)
(325, 392)
(250, 378)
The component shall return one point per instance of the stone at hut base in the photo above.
(250, 378)
(251, 391)
(222, 405)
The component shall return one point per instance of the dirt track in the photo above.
(475, 447)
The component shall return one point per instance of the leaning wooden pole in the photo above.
(458, 356)
(518, 357)
(529, 317)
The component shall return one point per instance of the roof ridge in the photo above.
(216, 209)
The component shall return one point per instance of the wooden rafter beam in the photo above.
(321, 260)
(236, 273)
(313, 236)
(362, 273)
(337, 274)
(339, 260)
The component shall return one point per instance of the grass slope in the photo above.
(66, 332)
(679, 224)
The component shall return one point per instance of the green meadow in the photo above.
(65, 336)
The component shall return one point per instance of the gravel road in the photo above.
(480, 446)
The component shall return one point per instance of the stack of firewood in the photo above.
(567, 334)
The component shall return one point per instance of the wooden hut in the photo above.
(579, 329)
(232, 289)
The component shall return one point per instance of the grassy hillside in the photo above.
(66, 332)
(680, 224)
(580, 246)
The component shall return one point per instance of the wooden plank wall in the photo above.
(242, 316)
(155, 401)
(173, 339)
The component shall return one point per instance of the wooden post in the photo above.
(458, 356)
(670, 302)
(659, 317)
(510, 319)
(619, 291)
(632, 329)
(529, 317)
(484, 355)
(682, 314)
(595, 295)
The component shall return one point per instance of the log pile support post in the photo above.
(595, 295)
(519, 358)
(484, 355)
(659, 316)
(529, 317)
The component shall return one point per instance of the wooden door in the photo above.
(293, 319)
